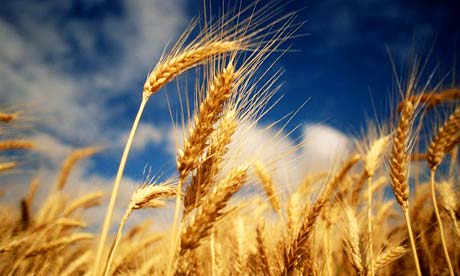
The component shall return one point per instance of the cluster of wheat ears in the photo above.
(337, 222)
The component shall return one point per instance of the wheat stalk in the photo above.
(399, 162)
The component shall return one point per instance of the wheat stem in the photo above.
(412, 241)
(438, 217)
(369, 225)
(117, 240)
(116, 186)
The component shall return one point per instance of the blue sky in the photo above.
(76, 70)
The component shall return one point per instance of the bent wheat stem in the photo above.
(116, 186)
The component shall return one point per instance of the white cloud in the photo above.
(58, 67)
(146, 134)
(57, 64)
(324, 147)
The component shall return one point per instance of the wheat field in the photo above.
(341, 221)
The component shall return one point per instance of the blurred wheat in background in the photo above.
(227, 213)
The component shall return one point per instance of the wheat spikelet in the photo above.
(16, 145)
(210, 210)
(261, 250)
(293, 211)
(44, 248)
(239, 245)
(339, 177)
(85, 201)
(268, 185)
(32, 191)
(448, 135)
(373, 156)
(208, 114)
(211, 165)
(76, 264)
(148, 196)
(297, 251)
(7, 117)
(131, 251)
(70, 162)
(351, 241)
(168, 69)
(399, 158)
(13, 244)
(389, 255)
(399, 167)
(6, 166)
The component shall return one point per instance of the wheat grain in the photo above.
(268, 185)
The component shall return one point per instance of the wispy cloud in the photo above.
(72, 67)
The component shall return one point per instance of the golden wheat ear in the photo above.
(399, 168)
(71, 161)
(8, 117)
(445, 140)
(147, 196)
(16, 145)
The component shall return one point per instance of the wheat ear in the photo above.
(44, 248)
(208, 213)
(70, 162)
(170, 68)
(148, 196)
(209, 112)
(209, 168)
(399, 162)
(269, 187)
(262, 250)
(188, 58)
(6, 166)
(352, 241)
(7, 117)
(447, 136)
(448, 201)
(371, 163)
(388, 256)
(16, 145)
